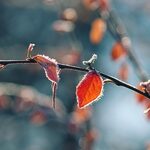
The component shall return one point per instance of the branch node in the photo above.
(90, 62)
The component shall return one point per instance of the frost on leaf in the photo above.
(50, 66)
(51, 70)
(89, 89)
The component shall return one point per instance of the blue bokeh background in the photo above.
(118, 117)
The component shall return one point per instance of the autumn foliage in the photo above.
(97, 31)
(89, 89)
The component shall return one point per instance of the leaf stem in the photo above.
(116, 81)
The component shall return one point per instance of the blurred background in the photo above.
(67, 31)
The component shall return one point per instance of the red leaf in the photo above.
(89, 89)
(117, 51)
(123, 72)
(51, 70)
(50, 66)
(97, 31)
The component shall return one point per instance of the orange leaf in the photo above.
(50, 66)
(117, 51)
(89, 89)
(123, 72)
(97, 31)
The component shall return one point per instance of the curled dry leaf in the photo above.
(118, 51)
(89, 89)
(51, 70)
(97, 31)
(123, 72)
(30, 48)
(50, 66)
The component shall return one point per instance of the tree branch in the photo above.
(118, 32)
(76, 68)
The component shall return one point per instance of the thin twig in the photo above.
(76, 68)
(118, 32)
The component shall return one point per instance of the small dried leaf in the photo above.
(50, 66)
(30, 48)
(97, 31)
(89, 89)
(123, 72)
(51, 70)
(118, 51)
